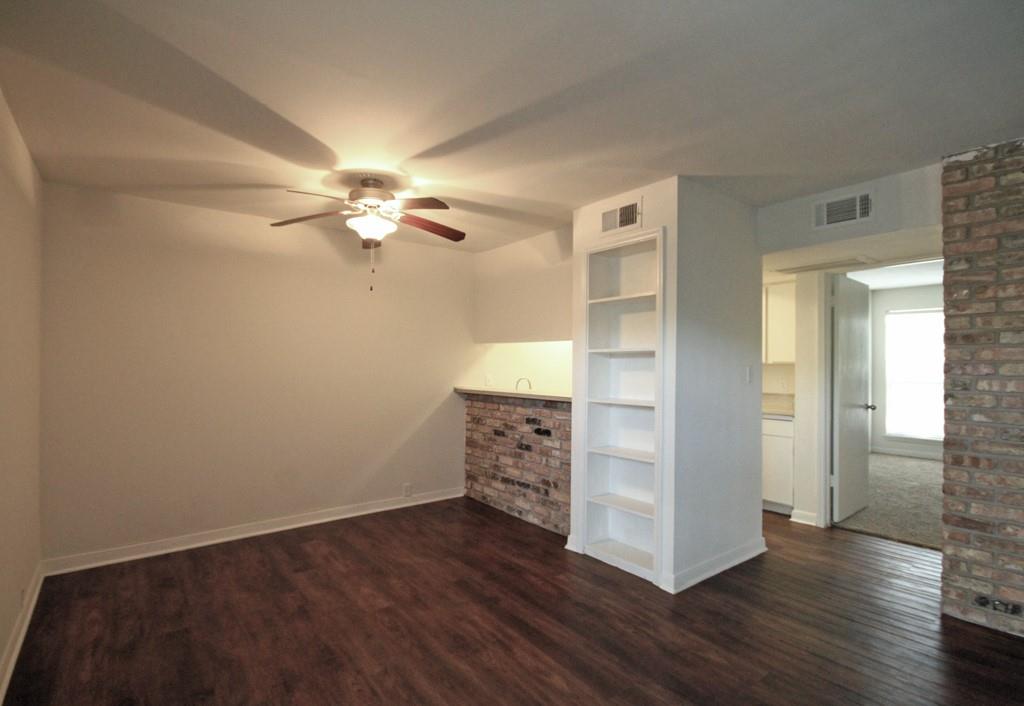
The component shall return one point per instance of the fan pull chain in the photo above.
(373, 269)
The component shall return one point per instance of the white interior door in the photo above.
(851, 401)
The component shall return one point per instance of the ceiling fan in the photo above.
(375, 212)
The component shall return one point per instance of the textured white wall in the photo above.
(19, 377)
(523, 291)
(901, 201)
(718, 408)
(204, 370)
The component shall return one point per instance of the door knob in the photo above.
(871, 407)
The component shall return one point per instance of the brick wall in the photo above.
(983, 520)
(517, 457)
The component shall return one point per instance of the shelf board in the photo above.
(623, 452)
(621, 502)
(622, 351)
(623, 402)
(622, 555)
(623, 297)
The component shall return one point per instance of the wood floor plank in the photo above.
(454, 602)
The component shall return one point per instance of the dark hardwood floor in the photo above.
(455, 603)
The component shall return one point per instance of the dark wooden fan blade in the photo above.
(432, 227)
(413, 204)
(310, 217)
(310, 193)
(370, 244)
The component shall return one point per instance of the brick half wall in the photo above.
(983, 504)
(518, 457)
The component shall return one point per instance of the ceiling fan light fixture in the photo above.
(371, 227)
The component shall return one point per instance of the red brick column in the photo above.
(983, 234)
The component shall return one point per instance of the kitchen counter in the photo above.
(528, 395)
(777, 406)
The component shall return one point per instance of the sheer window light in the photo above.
(913, 373)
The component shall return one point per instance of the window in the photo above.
(913, 373)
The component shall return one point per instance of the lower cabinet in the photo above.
(777, 464)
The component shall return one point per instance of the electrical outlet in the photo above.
(488, 381)
(407, 490)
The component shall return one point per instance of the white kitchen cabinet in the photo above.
(777, 463)
(779, 316)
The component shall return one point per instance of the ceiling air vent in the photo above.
(839, 211)
(622, 217)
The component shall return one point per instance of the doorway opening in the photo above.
(887, 350)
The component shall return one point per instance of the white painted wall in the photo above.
(20, 195)
(811, 420)
(778, 378)
(522, 315)
(908, 200)
(204, 370)
(718, 407)
(883, 300)
(523, 291)
(546, 364)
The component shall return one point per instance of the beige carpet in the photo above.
(905, 501)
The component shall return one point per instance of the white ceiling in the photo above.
(913, 274)
(516, 111)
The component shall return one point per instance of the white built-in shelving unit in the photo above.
(622, 439)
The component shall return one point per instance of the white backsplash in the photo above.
(778, 379)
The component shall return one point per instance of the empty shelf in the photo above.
(621, 502)
(622, 452)
(623, 351)
(623, 402)
(620, 554)
(623, 297)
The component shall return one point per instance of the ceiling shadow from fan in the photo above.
(139, 174)
(523, 211)
(88, 39)
(641, 69)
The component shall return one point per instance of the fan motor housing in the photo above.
(370, 189)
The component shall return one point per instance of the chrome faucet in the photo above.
(528, 384)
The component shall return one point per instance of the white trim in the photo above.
(717, 564)
(805, 518)
(88, 560)
(911, 451)
(778, 508)
(17, 637)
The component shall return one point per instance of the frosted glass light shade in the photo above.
(371, 227)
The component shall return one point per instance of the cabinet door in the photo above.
(780, 308)
(777, 469)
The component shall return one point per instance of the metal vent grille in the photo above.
(864, 207)
(846, 210)
(622, 217)
(628, 215)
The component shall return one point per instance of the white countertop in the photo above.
(528, 395)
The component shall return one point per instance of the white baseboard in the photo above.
(17, 636)
(804, 517)
(926, 452)
(573, 544)
(88, 560)
(717, 564)
(778, 508)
